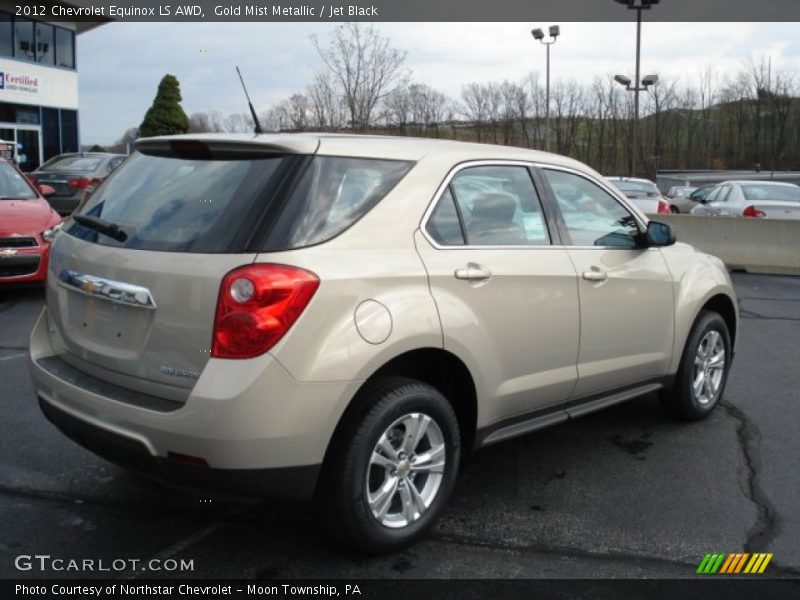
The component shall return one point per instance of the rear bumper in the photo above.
(258, 429)
(289, 482)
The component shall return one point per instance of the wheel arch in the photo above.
(437, 367)
(724, 306)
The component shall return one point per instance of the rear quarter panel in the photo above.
(375, 259)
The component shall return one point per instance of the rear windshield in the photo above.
(214, 206)
(74, 163)
(12, 185)
(636, 186)
(788, 193)
(176, 204)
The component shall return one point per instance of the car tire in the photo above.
(674, 210)
(703, 370)
(380, 491)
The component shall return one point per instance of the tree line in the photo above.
(743, 120)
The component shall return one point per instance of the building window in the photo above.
(6, 35)
(36, 42)
(65, 48)
(45, 46)
(25, 48)
(51, 133)
(69, 131)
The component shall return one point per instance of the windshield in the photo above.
(12, 185)
(788, 193)
(637, 186)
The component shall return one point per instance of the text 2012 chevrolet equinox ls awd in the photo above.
(344, 317)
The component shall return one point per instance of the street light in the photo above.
(638, 6)
(538, 35)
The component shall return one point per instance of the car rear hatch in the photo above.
(778, 209)
(137, 310)
(60, 181)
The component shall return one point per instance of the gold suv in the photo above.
(345, 317)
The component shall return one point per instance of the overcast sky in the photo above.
(120, 64)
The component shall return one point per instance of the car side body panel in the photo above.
(697, 277)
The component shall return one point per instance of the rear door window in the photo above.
(499, 206)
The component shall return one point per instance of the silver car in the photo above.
(644, 194)
(755, 199)
(346, 318)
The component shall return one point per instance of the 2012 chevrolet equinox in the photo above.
(343, 317)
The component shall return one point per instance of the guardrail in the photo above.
(770, 246)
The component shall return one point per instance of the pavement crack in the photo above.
(768, 524)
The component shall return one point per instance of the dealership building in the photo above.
(38, 84)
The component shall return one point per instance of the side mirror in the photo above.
(46, 190)
(659, 234)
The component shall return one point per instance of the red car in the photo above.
(27, 226)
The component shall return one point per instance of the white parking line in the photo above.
(2, 358)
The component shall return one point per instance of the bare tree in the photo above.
(298, 110)
(477, 105)
(328, 110)
(365, 67)
(206, 122)
(398, 109)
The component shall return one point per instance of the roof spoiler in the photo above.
(204, 146)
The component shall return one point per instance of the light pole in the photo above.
(638, 6)
(538, 34)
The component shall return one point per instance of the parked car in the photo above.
(756, 199)
(27, 226)
(341, 317)
(643, 193)
(71, 175)
(700, 194)
(679, 197)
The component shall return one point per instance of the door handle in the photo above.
(473, 272)
(595, 274)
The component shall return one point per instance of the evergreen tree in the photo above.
(165, 116)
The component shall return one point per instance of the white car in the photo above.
(643, 194)
(755, 199)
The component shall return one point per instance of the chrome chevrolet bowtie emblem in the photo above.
(7, 252)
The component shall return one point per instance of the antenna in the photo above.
(250, 104)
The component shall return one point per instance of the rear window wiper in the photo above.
(108, 228)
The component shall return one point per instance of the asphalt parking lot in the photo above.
(622, 493)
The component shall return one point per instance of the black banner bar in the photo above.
(410, 10)
(405, 589)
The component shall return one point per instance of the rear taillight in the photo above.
(752, 212)
(256, 307)
(81, 183)
(663, 208)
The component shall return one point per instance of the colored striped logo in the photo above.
(741, 562)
